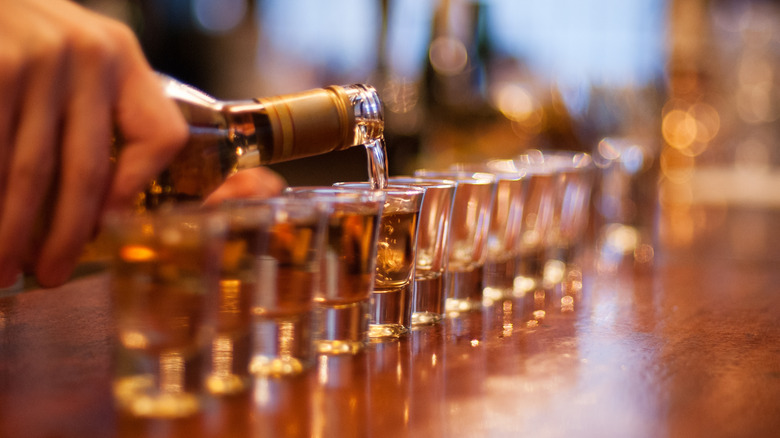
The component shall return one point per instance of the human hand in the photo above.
(260, 182)
(68, 78)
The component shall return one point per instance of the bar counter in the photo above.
(689, 347)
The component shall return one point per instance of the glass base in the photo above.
(227, 384)
(426, 318)
(138, 395)
(282, 346)
(454, 305)
(491, 295)
(464, 290)
(276, 366)
(497, 280)
(339, 347)
(342, 328)
(378, 331)
(524, 285)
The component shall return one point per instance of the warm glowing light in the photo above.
(448, 56)
(644, 253)
(523, 285)
(137, 254)
(679, 128)
(514, 102)
(707, 121)
(134, 340)
(554, 271)
(475, 342)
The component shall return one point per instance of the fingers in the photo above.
(67, 78)
(152, 128)
(9, 78)
(31, 153)
(84, 158)
(251, 183)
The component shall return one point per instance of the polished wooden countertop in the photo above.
(687, 348)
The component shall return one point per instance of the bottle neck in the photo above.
(282, 128)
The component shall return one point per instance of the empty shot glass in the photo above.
(537, 217)
(468, 236)
(273, 252)
(391, 297)
(164, 275)
(428, 297)
(574, 174)
(503, 245)
(348, 265)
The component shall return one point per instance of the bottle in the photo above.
(227, 136)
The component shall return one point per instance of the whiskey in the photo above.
(159, 299)
(349, 259)
(395, 250)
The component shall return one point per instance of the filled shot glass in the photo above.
(272, 259)
(468, 236)
(347, 265)
(391, 298)
(428, 298)
(164, 276)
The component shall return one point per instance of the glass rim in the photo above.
(554, 160)
(392, 189)
(439, 183)
(336, 194)
(499, 174)
(461, 177)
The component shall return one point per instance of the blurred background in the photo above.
(677, 100)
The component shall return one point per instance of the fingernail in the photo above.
(11, 280)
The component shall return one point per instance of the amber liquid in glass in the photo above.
(395, 263)
(349, 257)
(160, 302)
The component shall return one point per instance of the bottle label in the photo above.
(309, 123)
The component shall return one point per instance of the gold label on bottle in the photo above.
(309, 123)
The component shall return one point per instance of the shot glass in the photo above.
(428, 297)
(537, 218)
(503, 247)
(391, 298)
(164, 285)
(468, 236)
(272, 255)
(625, 201)
(574, 175)
(348, 265)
